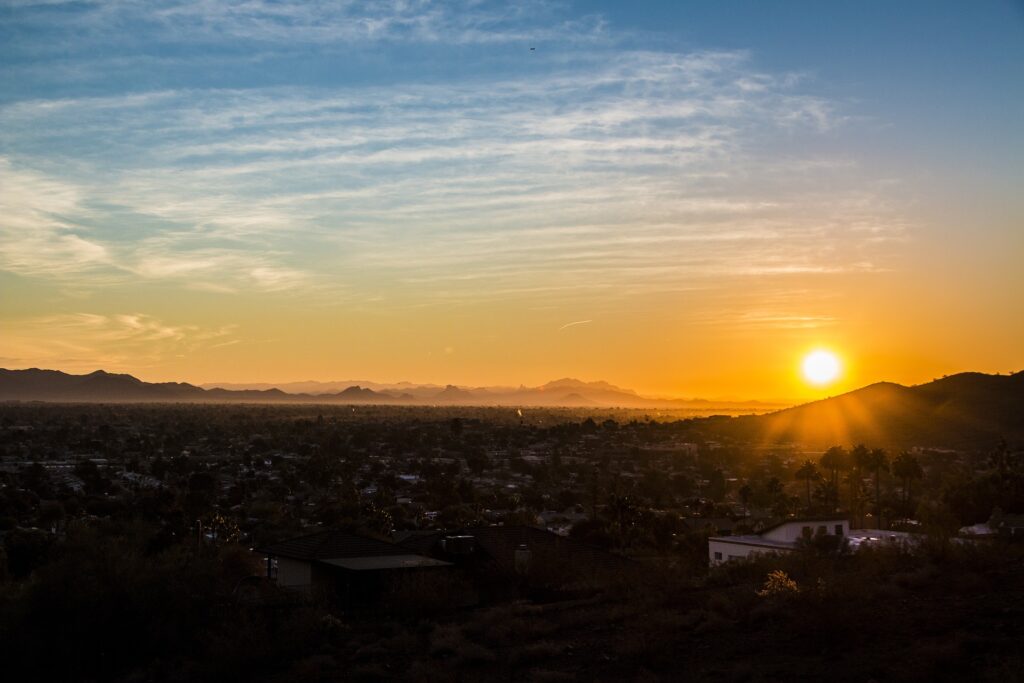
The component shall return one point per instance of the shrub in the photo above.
(778, 585)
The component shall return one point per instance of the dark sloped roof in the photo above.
(330, 545)
(380, 562)
(500, 542)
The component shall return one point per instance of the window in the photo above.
(839, 529)
(822, 530)
(806, 531)
(718, 556)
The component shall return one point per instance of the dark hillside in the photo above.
(961, 410)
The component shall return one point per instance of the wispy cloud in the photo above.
(574, 324)
(36, 235)
(313, 21)
(588, 172)
(86, 341)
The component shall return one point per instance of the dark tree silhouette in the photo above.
(876, 463)
(745, 493)
(858, 465)
(807, 473)
(834, 460)
(907, 467)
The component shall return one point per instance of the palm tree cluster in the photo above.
(856, 463)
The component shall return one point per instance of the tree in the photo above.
(778, 585)
(91, 476)
(716, 486)
(773, 487)
(26, 549)
(322, 468)
(907, 467)
(807, 473)
(51, 514)
(998, 458)
(858, 465)
(745, 493)
(876, 463)
(477, 461)
(835, 459)
(775, 495)
(202, 491)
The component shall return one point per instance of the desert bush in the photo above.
(778, 585)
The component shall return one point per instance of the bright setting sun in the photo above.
(821, 367)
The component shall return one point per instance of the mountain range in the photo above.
(960, 410)
(100, 386)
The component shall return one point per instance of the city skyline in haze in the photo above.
(683, 199)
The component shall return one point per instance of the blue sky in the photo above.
(724, 169)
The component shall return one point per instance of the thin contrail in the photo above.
(578, 322)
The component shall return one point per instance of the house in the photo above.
(982, 530)
(781, 538)
(498, 553)
(356, 568)
(999, 524)
(1008, 525)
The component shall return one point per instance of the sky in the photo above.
(683, 198)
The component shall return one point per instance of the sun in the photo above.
(821, 367)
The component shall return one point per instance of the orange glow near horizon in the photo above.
(681, 222)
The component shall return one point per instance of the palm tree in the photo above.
(907, 468)
(808, 472)
(858, 461)
(835, 459)
(775, 494)
(999, 457)
(877, 462)
(745, 493)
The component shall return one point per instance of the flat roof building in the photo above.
(783, 537)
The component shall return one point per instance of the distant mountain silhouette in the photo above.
(453, 394)
(315, 388)
(52, 385)
(575, 384)
(562, 392)
(104, 387)
(961, 410)
(357, 393)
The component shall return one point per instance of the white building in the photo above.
(781, 538)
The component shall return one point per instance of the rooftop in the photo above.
(805, 520)
(754, 539)
(385, 562)
(331, 545)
